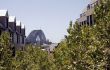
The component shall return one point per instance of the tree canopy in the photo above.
(84, 48)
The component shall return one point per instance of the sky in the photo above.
(51, 16)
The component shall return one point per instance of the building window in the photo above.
(0, 32)
(6, 22)
(17, 39)
(82, 23)
(80, 15)
(87, 20)
(22, 40)
(88, 7)
(91, 20)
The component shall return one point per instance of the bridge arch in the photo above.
(33, 36)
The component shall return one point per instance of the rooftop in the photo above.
(90, 5)
(3, 12)
(22, 26)
(18, 23)
(93, 1)
(12, 18)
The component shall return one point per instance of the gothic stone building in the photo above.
(9, 24)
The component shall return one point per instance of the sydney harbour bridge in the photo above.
(36, 37)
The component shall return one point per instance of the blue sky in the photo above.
(52, 16)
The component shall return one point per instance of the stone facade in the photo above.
(9, 24)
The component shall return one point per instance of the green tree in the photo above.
(62, 57)
(5, 52)
(32, 58)
(102, 19)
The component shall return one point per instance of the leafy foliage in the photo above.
(5, 52)
(88, 46)
(84, 48)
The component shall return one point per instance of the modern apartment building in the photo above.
(86, 18)
(9, 24)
